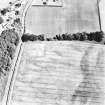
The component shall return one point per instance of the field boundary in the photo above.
(15, 61)
(11, 74)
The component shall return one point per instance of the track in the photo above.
(11, 74)
(50, 73)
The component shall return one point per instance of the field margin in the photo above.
(11, 74)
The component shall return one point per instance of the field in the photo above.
(74, 16)
(52, 73)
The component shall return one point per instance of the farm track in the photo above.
(12, 72)
(11, 76)
(48, 73)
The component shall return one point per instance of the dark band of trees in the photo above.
(92, 36)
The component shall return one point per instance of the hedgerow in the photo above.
(31, 37)
(92, 36)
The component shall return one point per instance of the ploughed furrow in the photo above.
(60, 73)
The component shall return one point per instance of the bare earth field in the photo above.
(60, 73)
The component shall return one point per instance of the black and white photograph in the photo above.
(52, 52)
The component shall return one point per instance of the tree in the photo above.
(1, 20)
(98, 36)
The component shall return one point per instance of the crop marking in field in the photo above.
(37, 50)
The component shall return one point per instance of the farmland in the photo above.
(51, 73)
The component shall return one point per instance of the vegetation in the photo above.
(10, 28)
(8, 41)
(9, 38)
(1, 20)
(4, 11)
(31, 37)
(10, 15)
(92, 36)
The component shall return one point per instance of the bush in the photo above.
(98, 36)
(49, 39)
(54, 38)
(82, 37)
(4, 61)
(70, 37)
(64, 36)
(17, 20)
(11, 50)
(18, 5)
(90, 36)
(9, 39)
(4, 11)
(76, 36)
(10, 36)
(40, 37)
(25, 38)
(1, 20)
(58, 37)
(33, 38)
(3, 44)
(17, 12)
